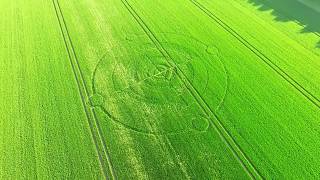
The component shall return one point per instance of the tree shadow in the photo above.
(304, 12)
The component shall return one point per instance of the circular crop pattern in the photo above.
(143, 89)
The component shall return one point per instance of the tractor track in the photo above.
(214, 120)
(95, 129)
(312, 98)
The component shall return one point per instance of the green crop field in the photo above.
(159, 89)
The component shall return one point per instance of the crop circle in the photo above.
(143, 90)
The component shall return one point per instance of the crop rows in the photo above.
(131, 89)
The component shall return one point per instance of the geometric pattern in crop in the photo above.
(141, 91)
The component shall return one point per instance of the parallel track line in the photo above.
(295, 21)
(312, 98)
(221, 130)
(95, 129)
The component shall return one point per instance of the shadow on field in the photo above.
(305, 12)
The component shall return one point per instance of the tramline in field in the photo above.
(185, 89)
